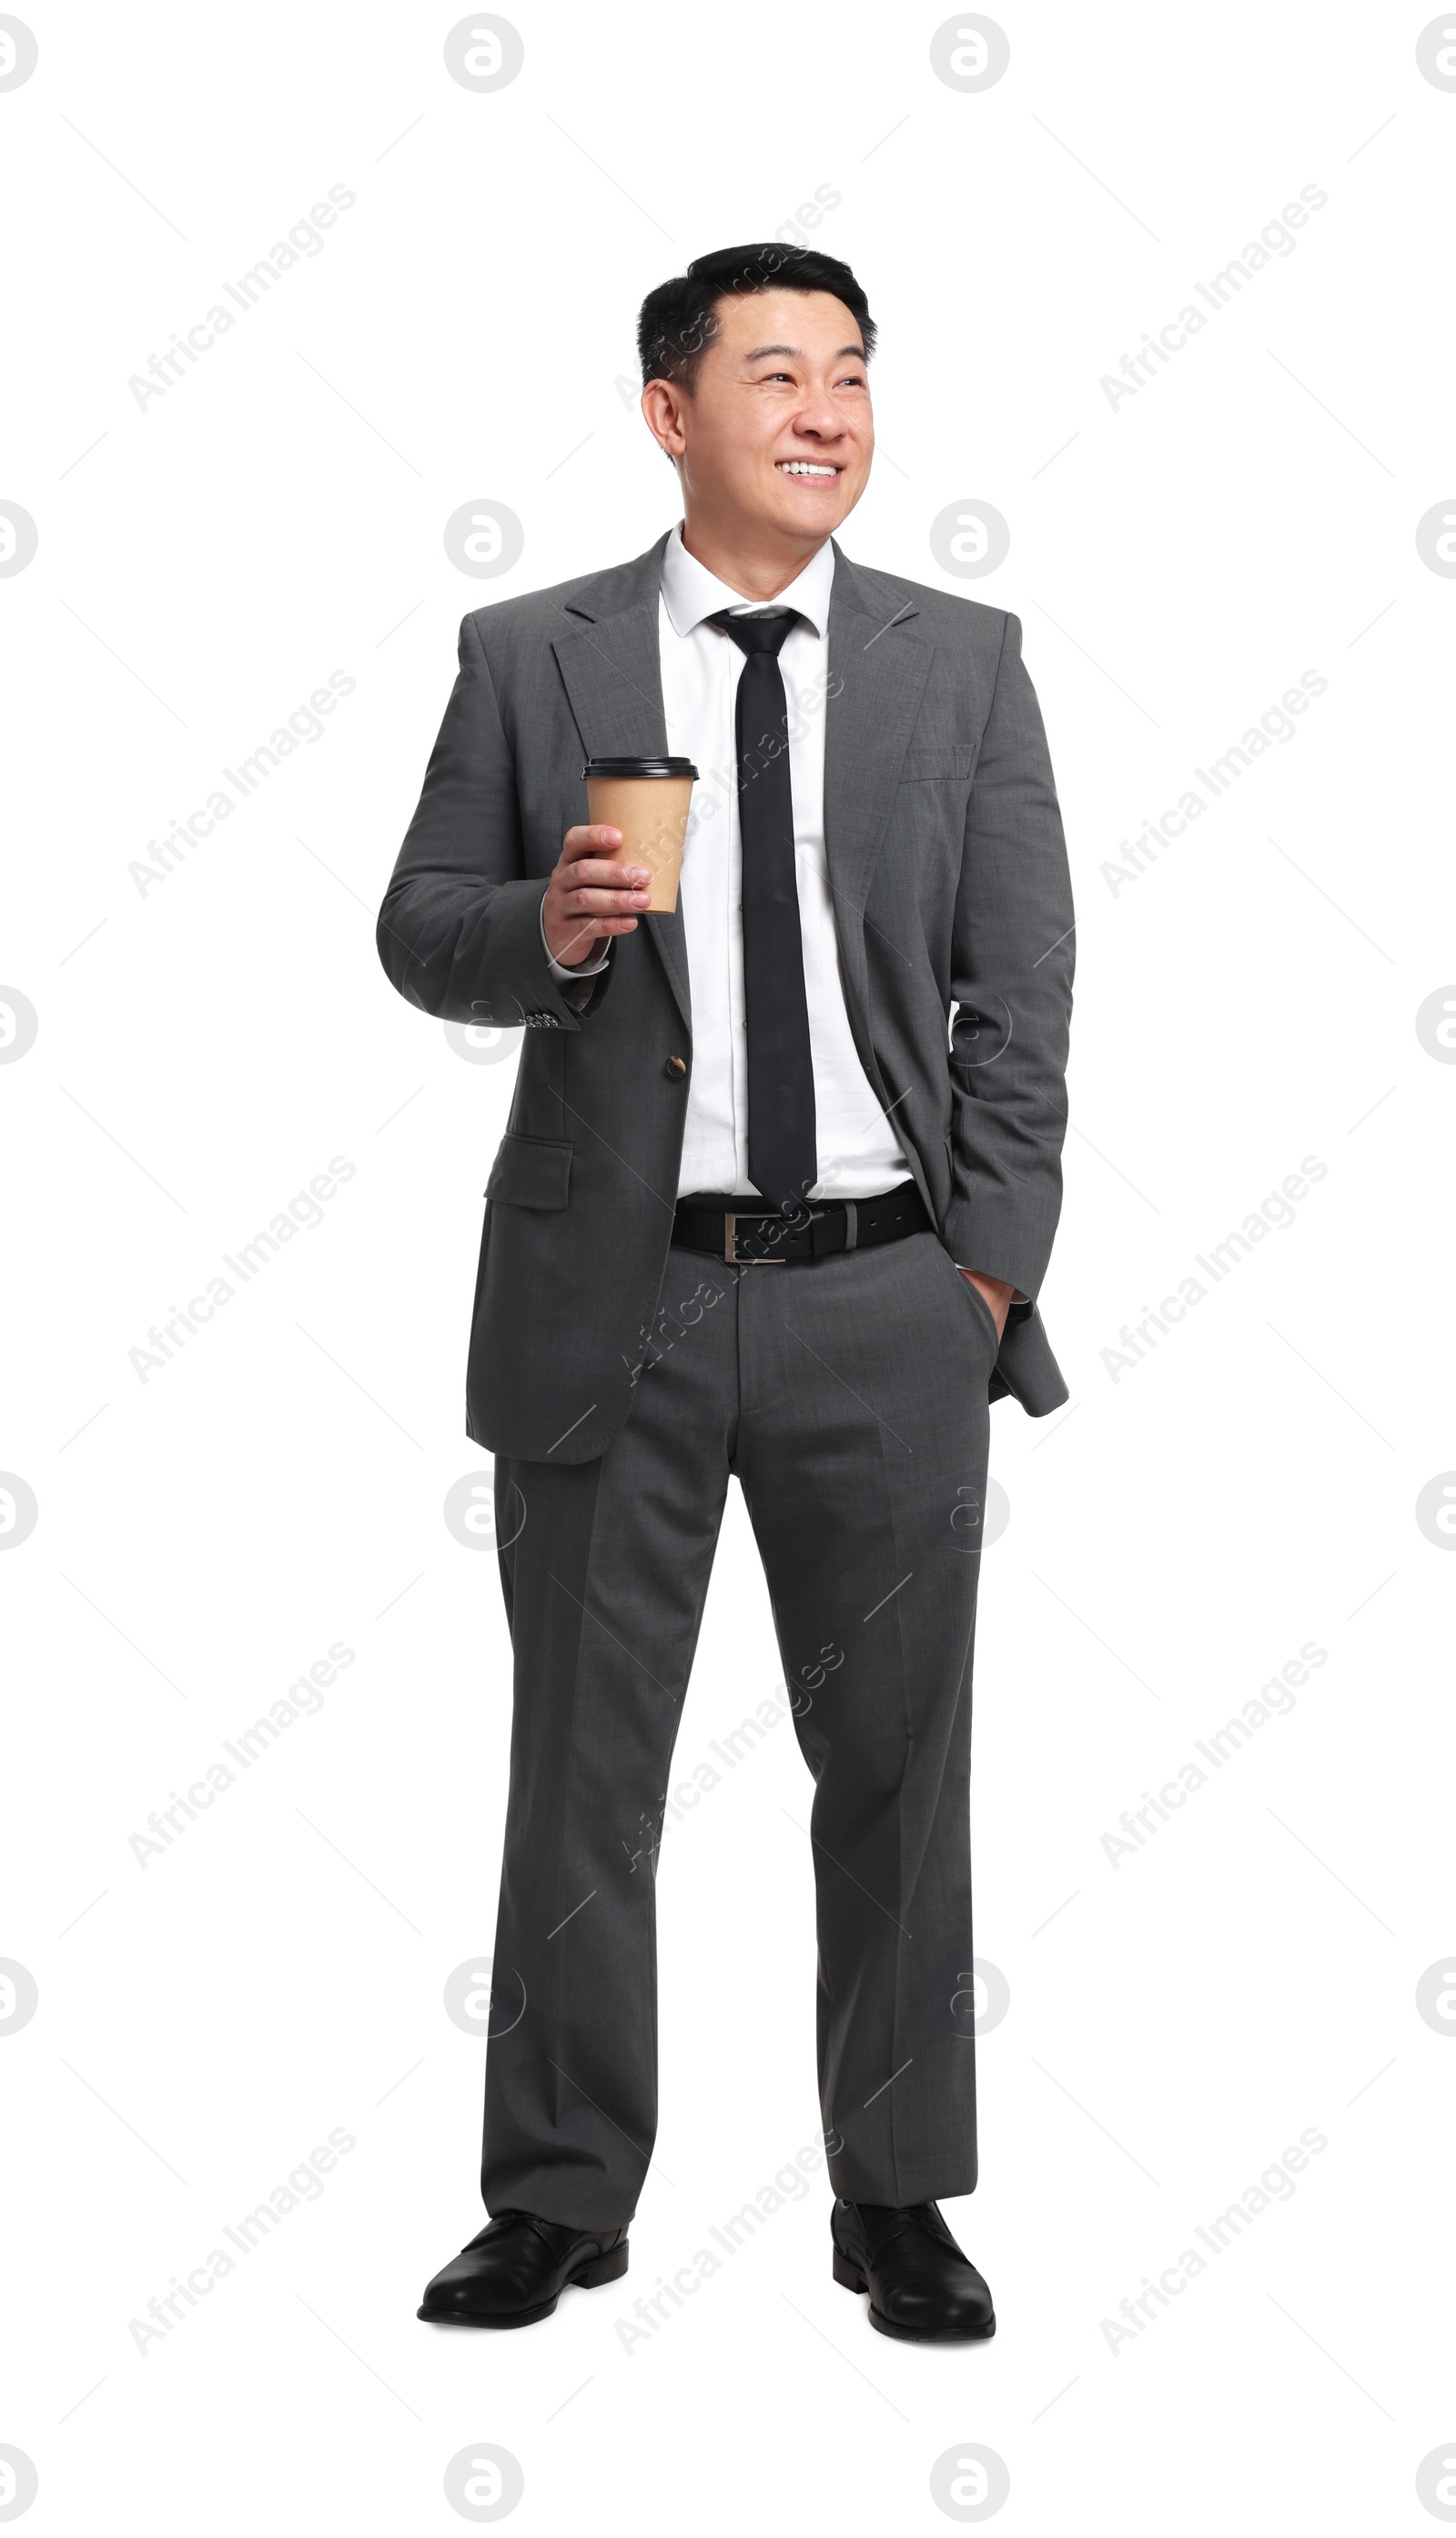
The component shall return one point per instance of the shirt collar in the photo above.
(690, 592)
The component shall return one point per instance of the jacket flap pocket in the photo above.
(931, 765)
(530, 1171)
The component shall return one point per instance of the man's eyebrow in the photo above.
(845, 353)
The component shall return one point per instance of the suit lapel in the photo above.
(879, 663)
(613, 675)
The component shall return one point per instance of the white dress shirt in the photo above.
(859, 1154)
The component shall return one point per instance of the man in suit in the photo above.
(777, 1197)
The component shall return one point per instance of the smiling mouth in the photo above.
(818, 472)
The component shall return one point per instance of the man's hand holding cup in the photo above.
(590, 897)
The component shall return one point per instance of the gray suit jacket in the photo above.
(951, 899)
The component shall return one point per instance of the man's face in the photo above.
(778, 433)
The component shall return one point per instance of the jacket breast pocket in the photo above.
(530, 1171)
(938, 766)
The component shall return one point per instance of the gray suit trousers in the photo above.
(849, 1395)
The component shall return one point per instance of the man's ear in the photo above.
(661, 411)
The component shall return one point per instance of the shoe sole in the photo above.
(601, 2269)
(854, 2281)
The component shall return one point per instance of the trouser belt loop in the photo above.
(851, 1224)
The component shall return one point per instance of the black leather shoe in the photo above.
(517, 2269)
(920, 2284)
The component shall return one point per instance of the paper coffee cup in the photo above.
(647, 799)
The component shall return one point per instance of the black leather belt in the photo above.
(741, 1231)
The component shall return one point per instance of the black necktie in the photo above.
(783, 1157)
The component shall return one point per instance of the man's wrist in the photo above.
(996, 1294)
(1017, 1297)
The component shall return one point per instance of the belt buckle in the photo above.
(730, 1248)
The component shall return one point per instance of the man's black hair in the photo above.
(678, 320)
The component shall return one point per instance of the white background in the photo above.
(206, 1047)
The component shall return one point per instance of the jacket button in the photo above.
(677, 1068)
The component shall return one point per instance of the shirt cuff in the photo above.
(566, 977)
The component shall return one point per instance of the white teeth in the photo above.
(803, 467)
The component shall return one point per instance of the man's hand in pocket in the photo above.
(995, 1293)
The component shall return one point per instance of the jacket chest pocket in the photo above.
(938, 766)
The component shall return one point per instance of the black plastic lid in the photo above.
(639, 767)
